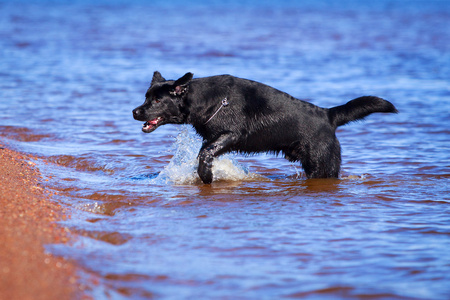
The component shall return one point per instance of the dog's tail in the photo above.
(358, 109)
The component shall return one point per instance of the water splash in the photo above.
(182, 168)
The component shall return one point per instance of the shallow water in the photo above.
(71, 72)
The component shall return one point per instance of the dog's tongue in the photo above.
(152, 122)
(149, 126)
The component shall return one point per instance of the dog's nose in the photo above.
(136, 113)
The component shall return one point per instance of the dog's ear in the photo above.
(184, 80)
(157, 77)
(179, 86)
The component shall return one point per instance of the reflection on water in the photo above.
(71, 72)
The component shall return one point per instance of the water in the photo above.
(72, 71)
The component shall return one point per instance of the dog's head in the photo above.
(163, 102)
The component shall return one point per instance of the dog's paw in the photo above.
(205, 171)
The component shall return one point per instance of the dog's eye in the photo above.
(157, 100)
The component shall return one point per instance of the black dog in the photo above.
(235, 114)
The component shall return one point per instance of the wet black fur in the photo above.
(258, 118)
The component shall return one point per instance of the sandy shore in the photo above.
(27, 223)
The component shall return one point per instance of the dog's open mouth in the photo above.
(151, 125)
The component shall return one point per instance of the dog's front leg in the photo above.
(212, 149)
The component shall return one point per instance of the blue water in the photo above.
(145, 227)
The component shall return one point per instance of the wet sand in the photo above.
(27, 223)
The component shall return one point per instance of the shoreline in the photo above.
(28, 219)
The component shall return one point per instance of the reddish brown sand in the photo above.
(27, 223)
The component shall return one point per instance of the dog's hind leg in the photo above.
(209, 151)
(321, 168)
(325, 161)
(320, 160)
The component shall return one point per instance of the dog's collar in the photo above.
(224, 103)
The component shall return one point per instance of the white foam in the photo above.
(182, 168)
